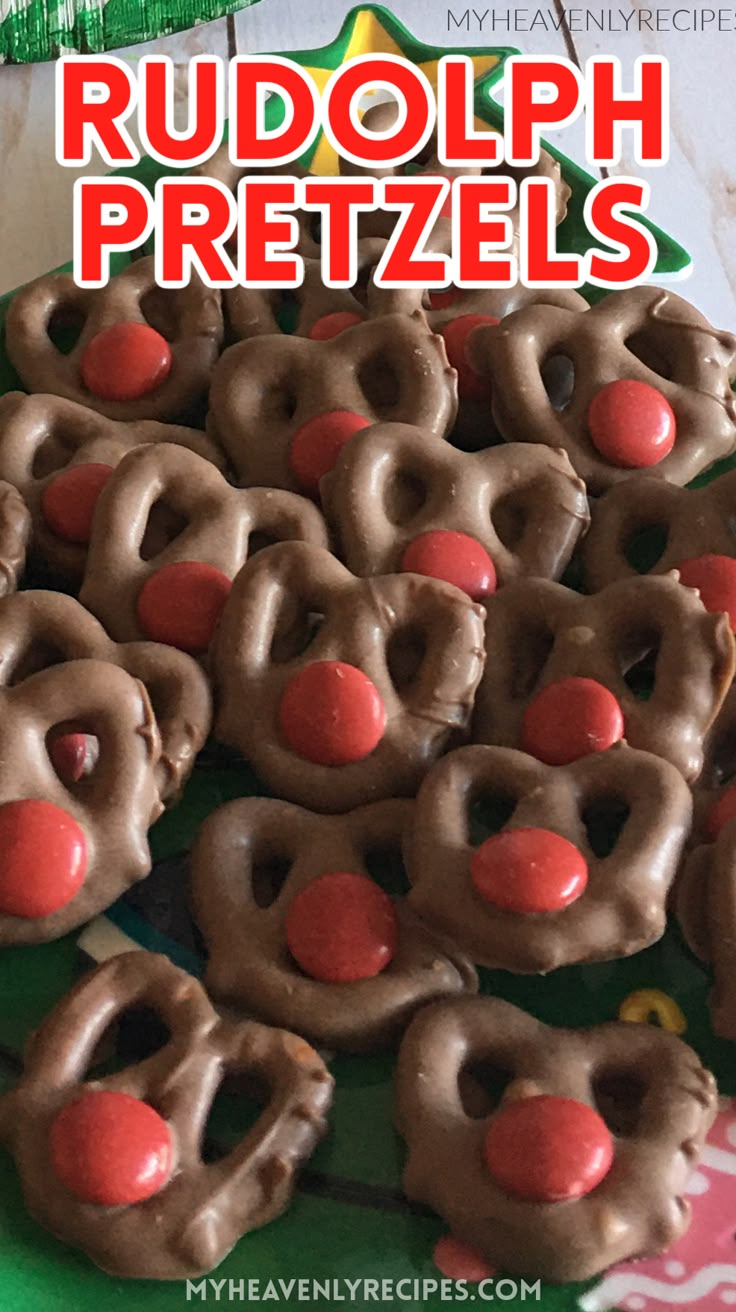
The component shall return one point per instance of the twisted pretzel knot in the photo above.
(622, 908)
(193, 1221)
(538, 632)
(15, 531)
(243, 836)
(524, 504)
(190, 318)
(42, 435)
(705, 903)
(220, 523)
(265, 389)
(361, 621)
(645, 334)
(114, 805)
(639, 1206)
(41, 629)
(697, 521)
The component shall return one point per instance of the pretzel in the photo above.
(44, 437)
(143, 352)
(651, 385)
(41, 629)
(692, 521)
(171, 590)
(539, 634)
(617, 904)
(393, 483)
(341, 691)
(585, 1158)
(356, 1005)
(705, 904)
(15, 530)
(66, 1125)
(266, 391)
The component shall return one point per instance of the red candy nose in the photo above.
(43, 858)
(720, 813)
(470, 384)
(570, 719)
(181, 603)
(715, 579)
(341, 927)
(529, 871)
(632, 424)
(318, 443)
(547, 1149)
(110, 1148)
(332, 714)
(125, 362)
(69, 500)
(454, 558)
(331, 325)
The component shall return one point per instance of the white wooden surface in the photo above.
(694, 196)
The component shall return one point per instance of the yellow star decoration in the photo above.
(370, 35)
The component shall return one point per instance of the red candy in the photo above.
(331, 325)
(111, 1149)
(715, 579)
(69, 754)
(470, 384)
(459, 1262)
(318, 443)
(547, 1149)
(125, 362)
(68, 502)
(342, 927)
(181, 603)
(570, 719)
(454, 558)
(332, 714)
(529, 871)
(43, 858)
(632, 424)
(720, 813)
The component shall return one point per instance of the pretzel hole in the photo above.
(267, 878)
(258, 541)
(652, 352)
(532, 645)
(136, 1034)
(386, 868)
(314, 227)
(294, 634)
(73, 771)
(721, 766)
(481, 1084)
(64, 328)
(488, 814)
(33, 658)
(236, 1107)
(278, 402)
(404, 494)
(363, 281)
(287, 310)
(50, 456)
(619, 1098)
(379, 382)
(558, 378)
(604, 819)
(509, 517)
(162, 526)
(161, 308)
(639, 664)
(646, 546)
(405, 653)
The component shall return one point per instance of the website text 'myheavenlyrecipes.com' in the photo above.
(512, 20)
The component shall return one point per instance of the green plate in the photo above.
(349, 1218)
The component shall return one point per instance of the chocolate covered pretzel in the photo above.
(59, 455)
(705, 904)
(15, 532)
(326, 952)
(400, 499)
(282, 406)
(584, 1158)
(567, 674)
(116, 1165)
(689, 523)
(73, 830)
(169, 536)
(40, 630)
(577, 869)
(649, 386)
(340, 690)
(141, 351)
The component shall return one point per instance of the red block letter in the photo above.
(404, 262)
(339, 199)
(646, 110)
(196, 217)
(251, 142)
(417, 110)
(474, 232)
(527, 112)
(110, 214)
(458, 143)
(204, 128)
(606, 219)
(93, 99)
(539, 263)
(267, 234)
